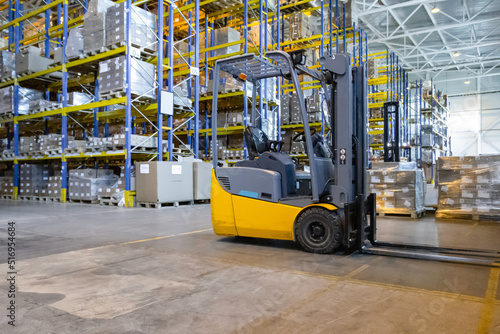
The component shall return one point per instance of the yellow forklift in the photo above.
(326, 207)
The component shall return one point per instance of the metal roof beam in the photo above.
(413, 32)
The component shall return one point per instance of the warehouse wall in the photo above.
(475, 123)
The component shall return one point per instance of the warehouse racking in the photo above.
(184, 65)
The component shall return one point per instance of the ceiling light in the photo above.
(456, 54)
(467, 82)
(434, 9)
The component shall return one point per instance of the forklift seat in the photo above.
(259, 146)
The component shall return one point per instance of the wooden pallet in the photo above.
(400, 213)
(27, 198)
(6, 115)
(48, 199)
(109, 202)
(157, 205)
(118, 93)
(467, 216)
(201, 201)
(39, 110)
(96, 52)
(7, 197)
(94, 201)
(5, 79)
(73, 150)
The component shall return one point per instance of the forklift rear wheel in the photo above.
(318, 231)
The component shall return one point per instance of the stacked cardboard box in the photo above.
(28, 144)
(99, 144)
(54, 186)
(112, 77)
(313, 103)
(399, 187)
(142, 28)
(25, 96)
(235, 118)
(7, 185)
(85, 183)
(469, 185)
(135, 141)
(295, 117)
(285, 109)
(116, 190)
(30, 61)
(6, 64)
(224, 36)
(33, 179)
(300, 26)
(94, 25)
(372, 68)
(254, 35)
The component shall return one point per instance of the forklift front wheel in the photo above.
(318, 230)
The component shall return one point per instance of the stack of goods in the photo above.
(98, 144)
(78, 99)
(285, 109)
(224, 36)
(25, 96)
(7, 184)
(74, 46)
(84, 184)
(34, 178)
(469, 186)
(235, 118)
(254, 34)
(94, 25)
(42, 105)
(372, 68)
(114, 193)
(286, 137)
(52, 143)
(399, 187)
(112, 78)
(136, 141)
(300, 26)
(143, 27)
(313, 103)
(235, 147)
(221, 148)
(6, 65)
(30, 61)
(295, 116)
(54, 186)
(28, 145)
(227, 84)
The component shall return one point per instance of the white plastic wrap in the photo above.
(84, 183)
(26, 95)
(469, 186)
(6, 64)
(399, 187)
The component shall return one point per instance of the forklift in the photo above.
(325, 208)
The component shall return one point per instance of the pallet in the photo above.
(7, 197)
(467, 216)
(93, 201)
(75, 150)
(109, 202)
(117, 93)
(220, 5)
(397, 213)
(39, 110)
(8, 115)
(55, 151)
(5, 79)
(27, 198)
(201, 201)
(8, 155)
(48, 199)
(136, 148)
(156, 205)
(95, 52)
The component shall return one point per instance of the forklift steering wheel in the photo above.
(299, 137)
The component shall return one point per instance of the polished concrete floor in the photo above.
(93, 269)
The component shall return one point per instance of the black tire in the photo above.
(318, 231)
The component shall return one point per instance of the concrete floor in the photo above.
(93, 269)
